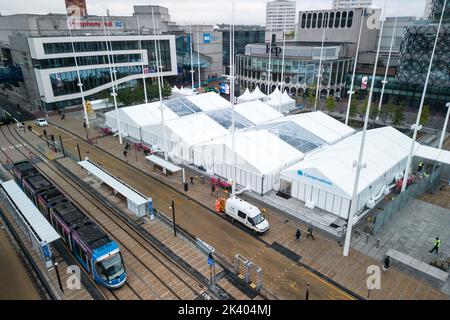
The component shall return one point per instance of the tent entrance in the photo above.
(285, 189)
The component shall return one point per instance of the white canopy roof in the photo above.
(29, 213)
(246, 96)
(321, 125)
(122, 188)
(175, 89)
(257, 111)
(385, 148)
(195, 128)
(257, 94)
(275, 93)
(143, 114)
(433, 154)
(163, 163)
(275, 99)
(209, 101)
(259, 152)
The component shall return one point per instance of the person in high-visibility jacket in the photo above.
(437, 244)
(419, 169)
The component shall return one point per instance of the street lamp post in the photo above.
(173, 218)
(45, 108)
(444, 130)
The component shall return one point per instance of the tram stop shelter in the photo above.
(136, 201)
(38, 230)
(162, 163)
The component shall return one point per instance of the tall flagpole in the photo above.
(417, 126)
(198, 61)
(359, 164)
(444, 130)
(387, 66)
(282, 62)
(142, 60)
(161, 106)
(114, 93)
(192, 58)
(319, 75)
(233, 126)
(269, 67)
(80, 84)
(112, 56)
(351, 92)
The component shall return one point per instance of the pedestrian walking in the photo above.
(437, 244)
(310, 233)
(387, 262)
(213, 188)
(298, 234)
(192, 180)
(63, 116)
(125, 153)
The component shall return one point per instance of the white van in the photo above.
(247, 214)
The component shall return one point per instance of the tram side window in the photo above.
(77, 250)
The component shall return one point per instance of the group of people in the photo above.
(298, 234)
(127, 147)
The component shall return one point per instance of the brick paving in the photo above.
(322, 254)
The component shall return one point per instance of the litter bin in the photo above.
(186, 187)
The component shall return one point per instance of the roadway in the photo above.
(283, 276)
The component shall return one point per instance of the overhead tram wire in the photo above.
(114, 93)
(351, 91)
(359, 164)
(80, 84)
(417, 126)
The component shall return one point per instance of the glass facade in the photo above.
(344, 19)
(241, 39)
(65, 83)
(84, 61)
(298, 73)
(92, 46)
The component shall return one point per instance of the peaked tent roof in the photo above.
(257, 111)
(246, 96)
(209, 101)
(278, 98)
(257, 94)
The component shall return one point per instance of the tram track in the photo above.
(166, 281)
(92, 287)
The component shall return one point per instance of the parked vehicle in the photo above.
(41, 122)
(247, 214)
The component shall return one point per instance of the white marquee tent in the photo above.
(134, 118)
(281, 102)
(327, 177)
(260, 156)
(258, 95)
(245, 97)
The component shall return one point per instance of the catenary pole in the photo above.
(269, 67)
(351, 92)
(444, 130)
(417, 126)
(282, 62)
(359, 164)
(233, 125)
(198, 61)
(192, 58)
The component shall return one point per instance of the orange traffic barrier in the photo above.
(217, 206)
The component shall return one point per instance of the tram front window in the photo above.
(111, 268)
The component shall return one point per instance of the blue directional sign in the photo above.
(206, 38)
(210, 261)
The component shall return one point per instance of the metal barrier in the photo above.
(249, 272)
(412, 192)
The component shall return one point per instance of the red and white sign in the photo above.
(364, 82)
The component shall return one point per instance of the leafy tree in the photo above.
(330, 104)
(425, 116)
(398, 115)
(386, 111)
(374, 113)
(363, 107)
(311, 95)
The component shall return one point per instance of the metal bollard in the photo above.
(378, 243)
(367, 238)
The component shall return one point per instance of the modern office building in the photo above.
(350, 4)
(280, 13)
(301, 66)
(416, 52)
(40, 45)
(243, 35)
